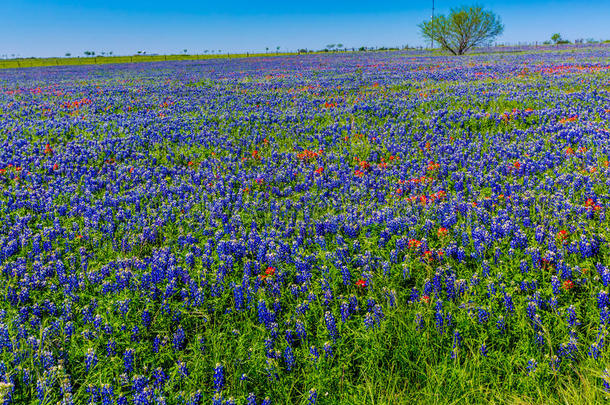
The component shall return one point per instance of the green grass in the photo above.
(101, 60)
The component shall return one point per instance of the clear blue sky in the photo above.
(54, 27)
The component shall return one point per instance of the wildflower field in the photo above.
(314, 229)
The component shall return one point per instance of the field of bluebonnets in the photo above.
(356, 228)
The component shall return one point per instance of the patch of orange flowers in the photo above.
(309, 155)
(590, 204)
(269, 272)
(570, 119)
(414, 243)
(433, 166)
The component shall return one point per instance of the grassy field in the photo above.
(99, 60)
(346, 228)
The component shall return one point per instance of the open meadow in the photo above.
(375, 227)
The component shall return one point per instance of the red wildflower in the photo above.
(591, 204)
(562, 235)
(319, 170)
(433, 166)
(567, 285)
(270, 271)
(414, 243)
(442, 232)
(361, 283)
(425, 299)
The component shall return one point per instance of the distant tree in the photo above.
(330, 47)
(277, 49)
(110, 53)
(558, 40)
(185, 51)
(339, 46)
(463, 29)
(267, 49)
(67, 54)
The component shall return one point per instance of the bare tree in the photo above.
(463, 29)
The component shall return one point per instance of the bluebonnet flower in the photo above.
(606, 381)
(419, 321)
(378, 314)
(331, 325)
(90, 359)
(315, 354)
(556, 285)
(179, 339)
(183, 370)
(128, 360)
(110, 348)
(369, 321)
(531, 366)
(328, 350)
(289, 357)
(594, 350)
(344, 311)
(602, 299)
(313, 396)
(107, 394)
(218, 377)
(483, 315)
(300, 329)
(94, 394)
(571, 316)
